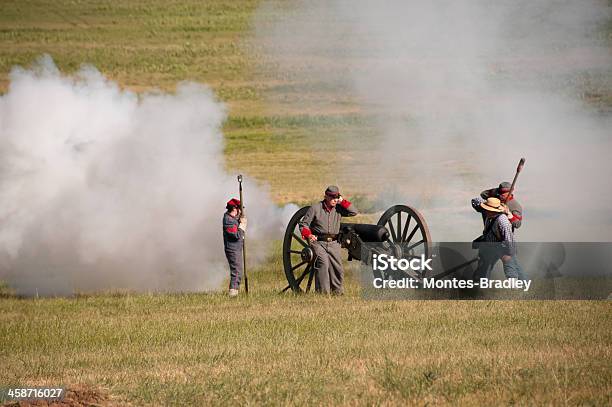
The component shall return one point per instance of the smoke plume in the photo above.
(103, 189)
(457, 92)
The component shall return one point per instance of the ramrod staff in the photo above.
(518, 169)
(244, 265)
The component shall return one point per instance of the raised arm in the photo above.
(516, 215)
(488, 193)
(346, 208)
(476, 204)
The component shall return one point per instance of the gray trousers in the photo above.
(329, 274)
(233, 253)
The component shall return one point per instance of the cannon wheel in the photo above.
(407, 226)
(298, 257)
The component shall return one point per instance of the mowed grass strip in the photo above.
(268, 348)
(179, 40)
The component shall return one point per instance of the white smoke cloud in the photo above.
(102, 189)
(459, 91)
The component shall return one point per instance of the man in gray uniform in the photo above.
(320, 227)
(514, 209)
(234, 228)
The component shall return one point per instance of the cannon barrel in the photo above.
(354, 235)
(366, 232)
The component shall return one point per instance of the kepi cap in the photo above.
(504, 187)
(233, 203)
(332, 191)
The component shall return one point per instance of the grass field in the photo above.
(271, 349)
(186, 349)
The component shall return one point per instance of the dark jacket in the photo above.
(232, 235)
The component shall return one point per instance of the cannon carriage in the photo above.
(401, 231)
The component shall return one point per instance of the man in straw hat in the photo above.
(514, 209)
(320, 227)
(497, 240)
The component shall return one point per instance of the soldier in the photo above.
(497, 229)
(320, 227)
(234, 228)
(514, 210)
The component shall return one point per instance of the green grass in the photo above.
(270, 348)
(175, 40)
(185, 349)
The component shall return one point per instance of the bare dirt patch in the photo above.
(74, 397)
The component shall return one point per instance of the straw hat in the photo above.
(493, 205)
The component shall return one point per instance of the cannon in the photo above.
(400, 228)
